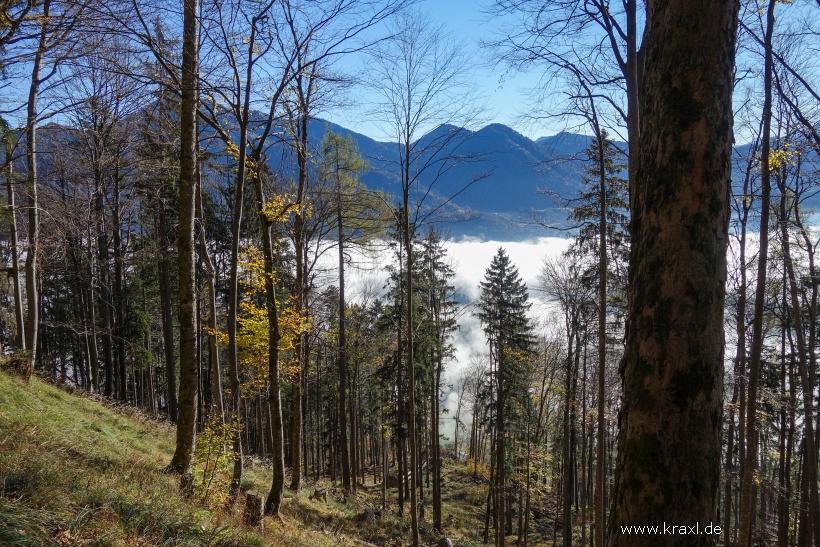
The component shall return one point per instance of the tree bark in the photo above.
(188, 363)
(673, 364)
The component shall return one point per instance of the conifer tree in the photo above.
(602, 249)
(503, 307)
(586, 215)
(437, 324)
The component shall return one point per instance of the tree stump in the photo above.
(319, 494)
(253, 510)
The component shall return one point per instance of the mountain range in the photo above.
(522, 185)
(500, 181)
(501, 185)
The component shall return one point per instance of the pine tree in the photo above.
(437, 323)
(503, 307)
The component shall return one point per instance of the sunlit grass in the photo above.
(75, 471)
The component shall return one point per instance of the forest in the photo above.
(180, 244)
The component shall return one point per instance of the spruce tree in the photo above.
(436, 325)
(585, 215)
(503, 307)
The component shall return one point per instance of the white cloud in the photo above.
(470, 260)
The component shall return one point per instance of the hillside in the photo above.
(75, 471)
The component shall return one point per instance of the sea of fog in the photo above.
(469, 258)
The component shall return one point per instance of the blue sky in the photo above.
(466, 22)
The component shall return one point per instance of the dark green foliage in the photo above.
(503, 307)
(21, 525)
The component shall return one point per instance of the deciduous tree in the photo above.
(673, 365)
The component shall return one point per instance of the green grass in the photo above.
(76, 471)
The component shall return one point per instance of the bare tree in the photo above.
(425, 104)
(57, 23)
(597, 40)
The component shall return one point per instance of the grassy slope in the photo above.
(74, 471)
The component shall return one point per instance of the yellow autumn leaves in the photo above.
(252, 318)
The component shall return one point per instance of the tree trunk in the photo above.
(566, 458)
(600, 482)
(673, 363)
(119, 293)
(810, 456)
(436, 442)
(19, 318)
(104, 301)
(501, 456)
(277, 491)
(32, 300)
(188, 363)
(411, 368)
(164, 268)
(747, 500)
(210, 273)
(342, 350)
(301, 297)
(738, 391)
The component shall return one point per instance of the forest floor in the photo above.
(77, 471)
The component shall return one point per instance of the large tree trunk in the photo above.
(673, 364)
(188, 363)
